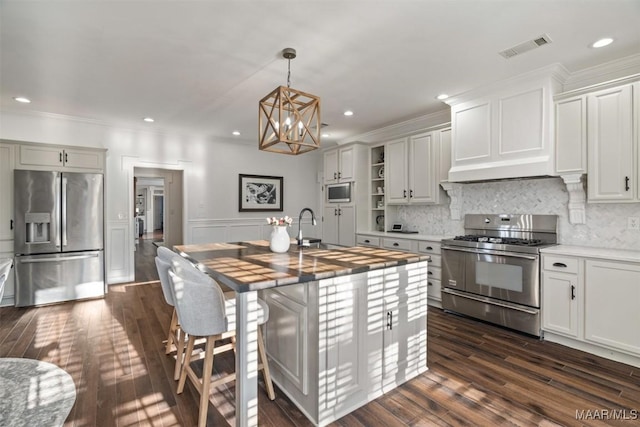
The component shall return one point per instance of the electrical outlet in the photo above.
(633, 223)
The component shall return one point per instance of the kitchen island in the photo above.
(345, 325)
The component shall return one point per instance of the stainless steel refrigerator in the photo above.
(59, 235)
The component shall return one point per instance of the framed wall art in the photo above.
(259, 193)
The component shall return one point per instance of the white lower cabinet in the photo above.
(338, 343)
(339, 225)
(612, 304)
(560, 289)
(421, 245)
(592, 304)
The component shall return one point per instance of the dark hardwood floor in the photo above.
(479, 375)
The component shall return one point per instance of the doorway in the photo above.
(158, 215)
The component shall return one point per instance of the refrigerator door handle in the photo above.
(64, 212)
(58, 259)
(56, 224)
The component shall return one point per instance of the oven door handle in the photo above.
(479, 251)
(490, 301)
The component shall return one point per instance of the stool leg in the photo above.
(206, 382)
(179, 354)
(185, 362)
(172, 328)
(265, 366)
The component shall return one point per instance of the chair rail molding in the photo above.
(577, 198)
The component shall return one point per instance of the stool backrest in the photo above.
(163, 272)
(198, 299)
(5, 269)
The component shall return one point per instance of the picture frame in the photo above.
(260, 193)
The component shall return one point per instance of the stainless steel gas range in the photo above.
(493, 272)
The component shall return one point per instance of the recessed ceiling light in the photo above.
(236, 133)
(602, 42)
(348, 113)
(149, 119)
(442, 96)
(22, 99)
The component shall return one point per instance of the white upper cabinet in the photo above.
(396, 171)
(571, 135)
(414, 168)
(504, 131)
(612, 169)
(339, 165)
(51, 157)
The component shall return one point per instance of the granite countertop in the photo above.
(593, 252)
(250, 266)
(409, 236)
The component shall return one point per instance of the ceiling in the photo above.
(200, 67)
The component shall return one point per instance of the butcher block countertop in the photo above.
(251, 266)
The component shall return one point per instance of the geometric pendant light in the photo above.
(289, 119)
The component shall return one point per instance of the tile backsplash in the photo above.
(606, 223)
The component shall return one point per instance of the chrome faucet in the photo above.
(313, 222)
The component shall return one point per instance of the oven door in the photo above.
(507, 276)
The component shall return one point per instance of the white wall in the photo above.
(606, 223)
(210, 168)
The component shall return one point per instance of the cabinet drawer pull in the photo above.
(429, 248)
(573, 292)
(367, 241)
(411, 194)
(429, 284)
(404, 193)
(335, 175)
(61, 157)
(429, 272)
(626, 183)
(396, 244)
(560, 264)
(66, 157)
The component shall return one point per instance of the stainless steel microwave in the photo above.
(339, 193)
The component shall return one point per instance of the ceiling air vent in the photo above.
(526, 46)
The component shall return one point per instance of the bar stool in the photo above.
(205, 311)
(176, 335)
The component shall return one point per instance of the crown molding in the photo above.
(608, 71)
(433, 121)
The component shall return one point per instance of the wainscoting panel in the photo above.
(118, 268)
(235, 230)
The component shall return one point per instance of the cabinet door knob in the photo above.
(626, 183)
(560, 264)
(573, 292)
